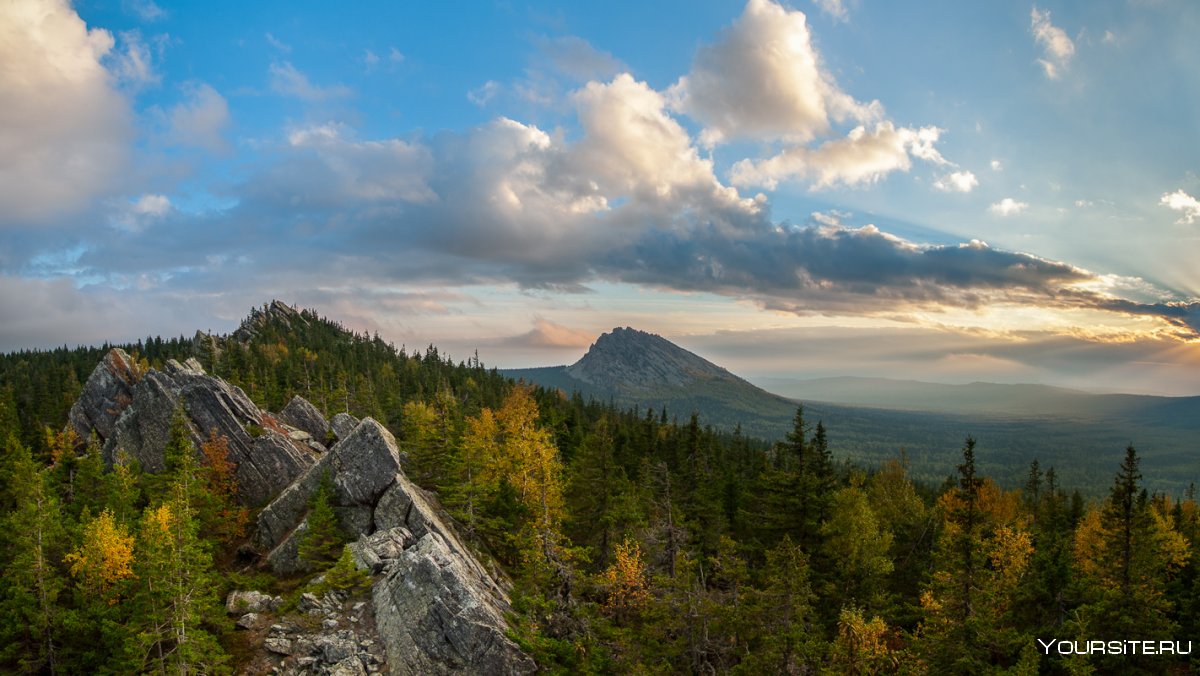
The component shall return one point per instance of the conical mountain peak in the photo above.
(627, 359)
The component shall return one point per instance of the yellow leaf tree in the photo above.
(104, 559)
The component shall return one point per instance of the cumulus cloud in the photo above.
(288, 81)
(957, 181)
(1185, 204)
(64, 128)
(200, 120)
(338, 169)
(630, 198)
(861, 158)
(763, 79)
(1057, 47)
(1007, 207)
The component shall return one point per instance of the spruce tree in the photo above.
(321, 543)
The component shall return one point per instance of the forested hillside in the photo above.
(635, 543)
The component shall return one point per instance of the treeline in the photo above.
(637, 542)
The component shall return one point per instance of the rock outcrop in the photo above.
(437, 609)
(305, 417)
(131, 412)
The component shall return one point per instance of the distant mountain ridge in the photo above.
(985, 399)
(636, 368)
(872, 419)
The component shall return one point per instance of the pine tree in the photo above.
(1125, 554)
(321, 543)
(31, 631)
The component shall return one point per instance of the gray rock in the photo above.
(329, 624)
(132, 412)
(362, 466)
(372, 551)
(106, 394)
(309, 602)
(250, 621)
(434, 618)
(343, 424)
(406, 505)
(351, 666)
(279, 646)
(239, 602)
(334, 649)
(304, 416)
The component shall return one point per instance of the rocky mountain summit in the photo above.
(635, 368)
(628, 360)
(435, 606)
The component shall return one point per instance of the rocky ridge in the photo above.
(436, 608)
(131, 412)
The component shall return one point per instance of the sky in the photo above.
(940, 191)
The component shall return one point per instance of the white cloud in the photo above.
(134, 64)
(997, 165)
(361, 171)
(286, 80)
(371, 59)
(1082, 204)
(958, 181)
(1056, 46)
(484, 93)
(1007, 207)
(200, 120)
(139, 214)
(64, 129)
(1185, 204)
(395, 55)
(861, 158)
(146, 10)
(1110, 38)
(763, 79)
(278, 44)
(632, 144)
(834, 8)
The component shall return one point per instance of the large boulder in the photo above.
(343, 424)
(106, 394)
(434, 619)
(302, 415)
(131, 413)
(361, 467)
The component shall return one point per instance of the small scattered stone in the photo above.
(329, 624)
(351, 666)
(249, 621)
(279, 646)
(239, 602)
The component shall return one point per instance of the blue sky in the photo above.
(943, 191)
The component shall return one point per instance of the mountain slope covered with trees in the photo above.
(635, 541)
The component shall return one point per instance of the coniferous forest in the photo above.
(637, 541)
